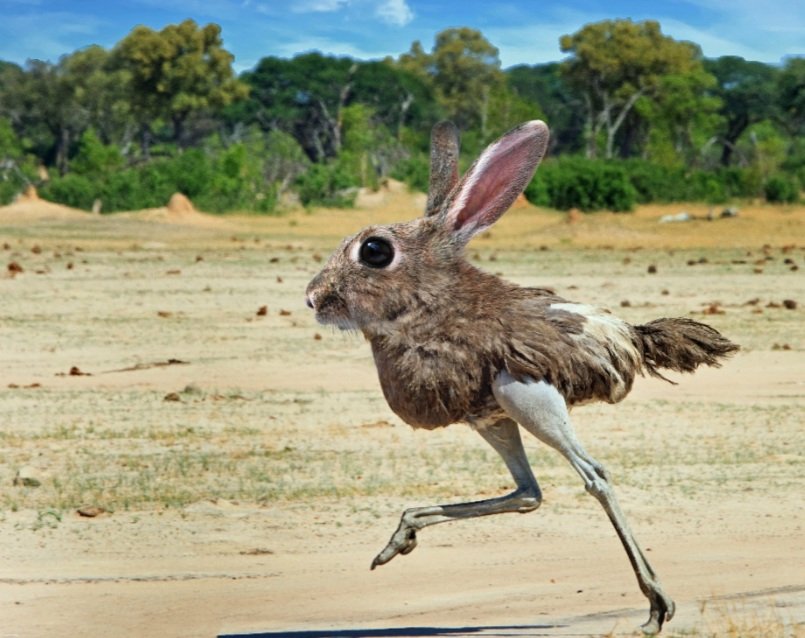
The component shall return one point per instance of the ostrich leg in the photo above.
(541, 410)
(504, 436)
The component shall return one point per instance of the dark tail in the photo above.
(682, 345)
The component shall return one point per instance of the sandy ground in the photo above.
(250, 469)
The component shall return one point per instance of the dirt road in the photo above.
(249, 469)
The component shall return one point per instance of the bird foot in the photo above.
(403, 541)
(662, 610)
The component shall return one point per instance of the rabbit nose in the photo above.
(309, 302)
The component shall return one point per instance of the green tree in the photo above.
(53, 116)
(101, 92)
(745, 89)
(615, 63)
(304, 97)
(563, 106)
(464, 70)
(791, 96)
(180, 71)
(682, 119)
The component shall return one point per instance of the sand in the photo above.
(255, 499)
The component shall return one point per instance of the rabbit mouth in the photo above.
(342, 323)
(329, 313)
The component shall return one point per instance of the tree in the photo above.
(745, 89)
(544, 84)
(464, 70)
(397, 97)
(52, 116)
(791, 96)
(304, 97)
(101, 92)
(681, 120)
(177, 72)
(615, 63)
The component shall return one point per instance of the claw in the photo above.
(403, 541)
(662, 610)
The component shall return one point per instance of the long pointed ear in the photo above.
(443, 165)
(495, 180)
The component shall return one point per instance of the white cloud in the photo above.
(318, 6)
(395, 12)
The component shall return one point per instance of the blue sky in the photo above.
(525, 32)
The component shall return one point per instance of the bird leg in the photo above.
(504, 436)
(541, 410)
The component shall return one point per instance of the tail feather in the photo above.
(682, 345)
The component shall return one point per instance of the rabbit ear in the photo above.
(495, 180)
(443, 165)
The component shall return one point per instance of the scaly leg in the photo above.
(504, 436)
(541, 410)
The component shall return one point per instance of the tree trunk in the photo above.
(590, 130)
(612, 127)
(404, 106)
(62, 150)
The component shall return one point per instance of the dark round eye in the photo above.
(376, 252)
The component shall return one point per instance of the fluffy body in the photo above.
(441, 330)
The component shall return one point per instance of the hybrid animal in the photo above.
(455, 344)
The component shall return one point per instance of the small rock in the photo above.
(317, 336)
(172, 396)
(625, 303)
(75, 371)
(789, 304)
(262, 311)
(91, 511)
(257, 551)
(14, 268)
(652, 269)
(285, 313)
(684, 216)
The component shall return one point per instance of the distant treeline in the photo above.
(635, 115)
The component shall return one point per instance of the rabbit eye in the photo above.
(376, 252)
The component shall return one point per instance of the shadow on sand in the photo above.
(508, 631)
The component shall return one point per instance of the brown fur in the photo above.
(441, 330)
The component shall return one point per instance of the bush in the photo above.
(780, 189)
(72, 190)
(578, 182)
(414, 171)
(327, 185)
(599, 184)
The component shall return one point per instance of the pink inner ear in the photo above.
(498, 177)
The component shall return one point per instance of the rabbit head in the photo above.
(385, 272)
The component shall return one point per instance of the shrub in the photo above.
(414, 171)
(780, 189)
(327, 185)
(72, 190)
(578, 182)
